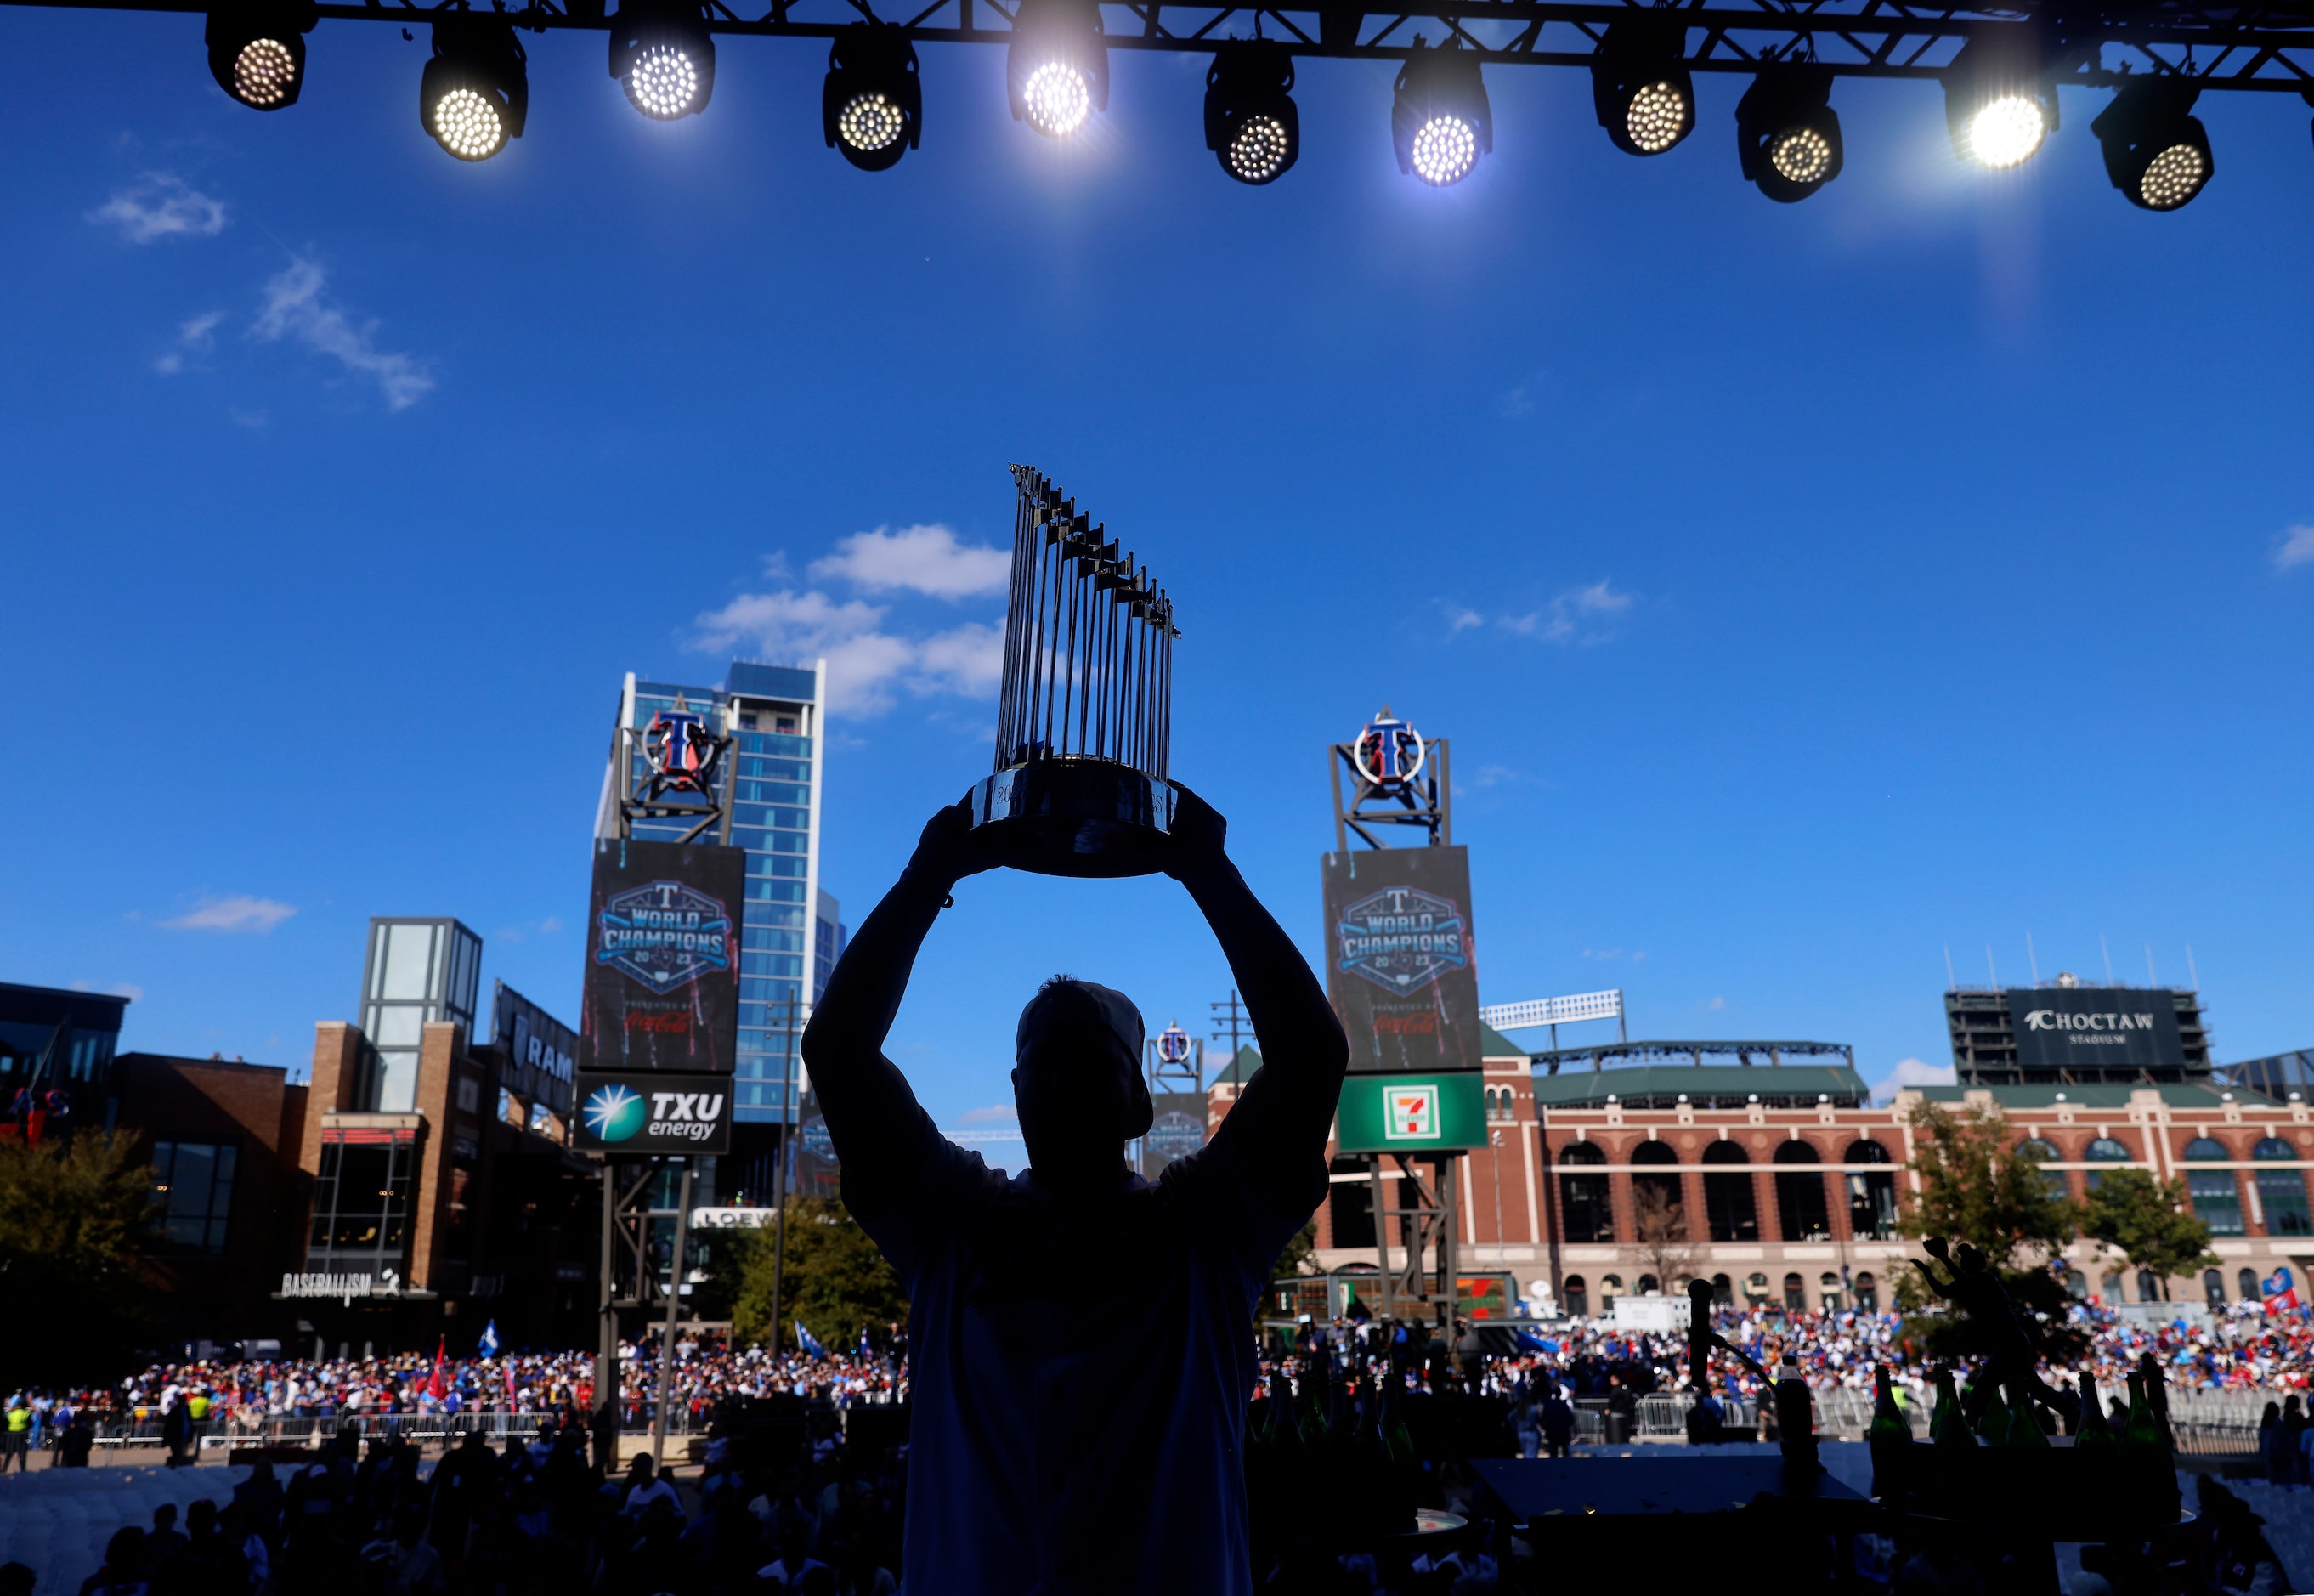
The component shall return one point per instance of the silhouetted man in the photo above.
(1083, 1340)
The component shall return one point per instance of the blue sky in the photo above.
(1806, 590)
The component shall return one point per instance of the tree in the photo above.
(834, 1280)
(1659, 1226)
(76, 1223)
(1977, 1185)
(1300, 1257)
(2150, 1222)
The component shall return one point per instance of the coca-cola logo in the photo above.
(1424, 1024)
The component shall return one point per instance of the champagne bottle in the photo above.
(2143, 1434)
(2024, 1430)
(1947, 1426)
(1890, 1437)
(1992, 1423)
(2095, 1433)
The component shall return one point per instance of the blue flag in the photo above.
(1529, 1342)
(810, 1343)
(488, 1347)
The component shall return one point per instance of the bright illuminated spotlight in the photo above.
(1640, 87)
(2156, 151)
(1056, 70)
(664, 59)
(1787, 134)
(1251, 124)
(1995, 104)
(872, 106)
(1440, 123)
(474, 95)
(258, 55)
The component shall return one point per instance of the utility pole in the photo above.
(1231, 1022)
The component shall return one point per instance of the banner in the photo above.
(637, 1112)
(2095, 1027)
(1410, 1114)
(1178, 1131)
(541, 1051)
(662, 986)
(1401, 963)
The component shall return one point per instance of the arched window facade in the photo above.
(2077, 1285)
(2217, 1199)
(1755, 1288)
(1586, 1208)
(1800, 1194)
(1794, 1294)
(2111, 1287)
(2149, 1286)
(1649, 1286)
(2213, 1288)
(1867, 1293)
(1723, 1290)
(1576, 1293)
(1827, 1285)
(1658, 1212)
(1610, 1287)
(2246, 1284)
(2105, 1150)
(1498, 1104)
(2045, 1153)
(1729, 1206)
(2282, 1193)
(1871, 1193)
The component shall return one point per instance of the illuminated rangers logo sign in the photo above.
(1401, 938)
(679, 750)
(664, 934)
(1388, 753)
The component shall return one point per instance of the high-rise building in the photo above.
(790, 930)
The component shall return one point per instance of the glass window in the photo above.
(2217, 1200)
(2149, 1286)
(2213, 1288)
(2105, 1150)
(1723, 1290)
(1871, 1194)
(2273, 1147)
(1799, 1196)
(1577, 1295)
(192, 1182)
(409, 953)
(2281, 1193)
(2245, 1283)
(1586, 1208)
(1610, 1287)
(1794, 1294)
(399, 1026)
(2046, 1152)
(2202, 1147)
(1867, 1293)
(1729, 1207)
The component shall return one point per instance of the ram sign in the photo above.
(2095, 1028)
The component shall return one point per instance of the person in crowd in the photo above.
(166, 1545)
(1062, 1440)
(124, 1569)
(1557, 1416)
(645, 1486)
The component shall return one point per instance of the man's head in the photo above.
(1077, 1079)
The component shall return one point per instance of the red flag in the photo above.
(440, 1384)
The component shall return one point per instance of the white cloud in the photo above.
(118, 989)
(295, 308)
(1464, 619)
(239, 913)
(1912, 1071)
(2294, 547)
(926, 559)
(865, 662)
(1580, 617)
(193, 338)
(161, 205)
(994, 1114)
(1716, 1004)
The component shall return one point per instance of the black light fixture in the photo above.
(256, 53)
(474, 95)
(1440, 123)
(1057, 69)
(1787, 134)
(664, 58)
(1251, 125)
(1640, 86)
(1998, 105)
(2156, 151)
(872, 106)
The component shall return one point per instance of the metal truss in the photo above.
(1693, 1053)
(2267, 47)
(1426, 801)
(1407, 1288)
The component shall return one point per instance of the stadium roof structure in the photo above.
(1606, 1054)
(2096, 1094)
(1711, 1086)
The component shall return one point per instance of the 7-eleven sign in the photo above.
(1410, 1114)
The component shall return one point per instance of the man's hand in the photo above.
(951, 849)
(1195, 843)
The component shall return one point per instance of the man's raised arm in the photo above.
(1283, 1118)
(872, 1117)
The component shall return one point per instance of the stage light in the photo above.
(1251, 125)
(1057, 70)
(664, 58)
(1996, 105)
(1787, 134)
(474, 95)
(257, 54)
(872, 106)
(1440, 123)
(2156, 151)
(1640, 86)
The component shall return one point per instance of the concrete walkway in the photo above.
(57, 1520)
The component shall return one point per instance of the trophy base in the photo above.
(1089, 817)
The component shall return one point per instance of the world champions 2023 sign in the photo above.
(662, 985)
(1401, 963)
